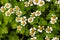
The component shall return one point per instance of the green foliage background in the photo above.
(8, 25)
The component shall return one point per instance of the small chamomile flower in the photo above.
(33, 38)
(55, 38)
(11, 10)
(7, 13)
(41, 3)
(21, 0)
(30, 20)
(53, 21)
(23, 18)
(31, 2)
(7, 5)
(49, 29)
(19, 27)
(36, 2)
(48, 0)
(58, 2)
(26, 4)
(40, 28)
(54, 17)
(18, 13)
(32, 32)
(16, 8)
(32, 15)
(47, 38)
(2, 9)
(38, 13)
(23, 23)
(18, 19)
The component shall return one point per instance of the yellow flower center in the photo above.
(41, 28)
(33, 15)
(23, 22)
(31, 2)
(53, 17)
(17, 18)
(48, 29)
(37, 12)
(53, 20)
(23, 19)
(19, 27)
(26, 3)
(41, 2)
(18, 13)
(30, 19)
(17, 8)
(8, 13)
(7, 5)
(2, 9)
(11, 9)
(36, 1)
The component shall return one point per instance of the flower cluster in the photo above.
(54, 38)
(53, 19)
(35, 2)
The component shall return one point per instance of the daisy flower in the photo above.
(2, 9)
(7, 5)
(26, 4)
(32, 31)
(40, 28)
(36, 2)
(7, 13)
(32, 15)
(33, 38)
(54, 17)
(11, 10)
(19, 27)
(53, 21)
(38, 13)
(23, 23)
(31, 2)
(16, 8)
(23, 18)
(18, 19)
(49, 29)
(18, 13)
(30, 20)
(55, 38)
(47, 38)
(41, 3)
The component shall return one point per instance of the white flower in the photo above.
(55, 38)
(18, 19)
(23, 18)
(16, 8)
(26, 4)
(36, 2)
(47, 38)
(40, 28)
(49, 29)
(32, 32)
(18, 13)
(38, 13)
(31, 2)
(58, 2)
(7, 5)
(19, 27)
(2, 9)
(32, 15)
(33, 38)
(23, 23)
(54, 17)
(11, 10)
(21, 0)
(53, 21)
(41, 3)
(30, 20)
(7, 13)
(48, 0)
